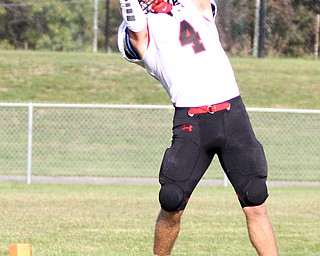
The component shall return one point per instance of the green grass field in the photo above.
(96, 220)
(107, 78)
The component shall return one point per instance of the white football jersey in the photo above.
(185, 54)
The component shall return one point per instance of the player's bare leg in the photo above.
(166, 232)
(260, 230)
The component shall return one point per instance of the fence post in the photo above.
(30, 128)
(316, 45)
(107, 28)
(95, 27)
(262, 24)
(256, 29)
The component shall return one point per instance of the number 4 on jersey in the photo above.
(189, 36)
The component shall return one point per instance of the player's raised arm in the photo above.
(136, 22)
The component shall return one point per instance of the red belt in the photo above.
(209, 108)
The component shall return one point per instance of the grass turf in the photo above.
(107, 78)
(100, 220)
(119, 220)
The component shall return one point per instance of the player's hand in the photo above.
(161, 6)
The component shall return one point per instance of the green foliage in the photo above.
(290, 26)
(65, 25)
(5, 45)
(47, 26)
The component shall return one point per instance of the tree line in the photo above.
(289, 26)
(67, 25)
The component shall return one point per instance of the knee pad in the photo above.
(171, 197)
(256, 192)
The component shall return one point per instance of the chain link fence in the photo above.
(129, 141)
(289, 28)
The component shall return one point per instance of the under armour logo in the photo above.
(187, 128)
